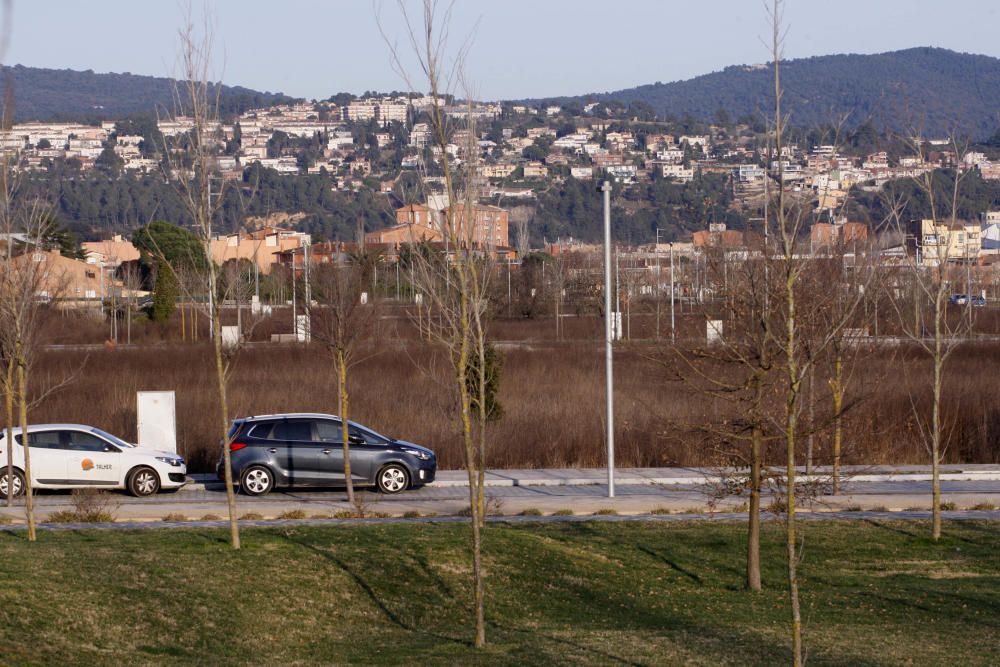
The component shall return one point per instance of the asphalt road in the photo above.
(904, 497)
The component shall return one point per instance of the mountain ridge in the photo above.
(927, 89)
(46, 94)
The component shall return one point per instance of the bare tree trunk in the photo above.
(791, 352)
(936, 427)
(753, 523)
(837, 387)
(8, 398)
(791, 425)
(22, 396)
(220, 374)
(812, 420)
(341, 363)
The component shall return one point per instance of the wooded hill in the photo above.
(932, 90)
(65, 94)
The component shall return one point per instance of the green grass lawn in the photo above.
(873, 593)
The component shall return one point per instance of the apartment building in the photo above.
(936, 242)
(484, 225)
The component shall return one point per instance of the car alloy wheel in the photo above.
(144, 482)
(18, 484)
(256, 481)
(392, 479)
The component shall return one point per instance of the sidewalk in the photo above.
(678, 476)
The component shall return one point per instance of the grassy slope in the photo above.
(583, 593)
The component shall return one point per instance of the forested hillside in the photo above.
(929, 89)
(65, 94)
(93, 206)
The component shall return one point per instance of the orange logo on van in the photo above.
(87, 464)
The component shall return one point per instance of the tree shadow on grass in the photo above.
(16, 533)
(372, 594)
(896, 527)
(673, 565)
(660, 556)
(605, 657)
(211, 538)
(425, 567)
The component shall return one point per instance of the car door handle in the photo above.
(272, 450)
(326, 451)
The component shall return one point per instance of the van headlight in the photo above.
(169, 460)
(422, 455)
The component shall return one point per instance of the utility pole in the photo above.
(308, 289)
(608, 362)
(673, 331)
(509, 306)
(659, 292)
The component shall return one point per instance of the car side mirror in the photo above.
(356, 440)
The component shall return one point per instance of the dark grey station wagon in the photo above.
(306, 449)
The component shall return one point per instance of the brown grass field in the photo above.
(552, 393)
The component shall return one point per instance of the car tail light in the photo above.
(236, 446)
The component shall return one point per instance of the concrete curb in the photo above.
(672, 476)
(736, 517)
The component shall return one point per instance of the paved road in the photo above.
(577, 491)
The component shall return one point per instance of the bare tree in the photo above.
(521, 217)
(456, 284)
(800, 347)
(341, 322)
(25, 282)
(131, 283)
(559, 276)
(928, 265)
(739, 370)
(194, 178)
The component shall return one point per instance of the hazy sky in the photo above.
(519, 48)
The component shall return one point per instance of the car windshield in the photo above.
(370, 435)
(107, 436)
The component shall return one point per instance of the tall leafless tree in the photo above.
(456, 284)
(194, 177)
(928, 269)
(341, 321)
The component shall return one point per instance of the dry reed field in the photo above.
(552, 393)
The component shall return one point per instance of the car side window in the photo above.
(87, 442)
(262, 431)
(46, 440)
(366, 436)
(328, 430)
(293, 429)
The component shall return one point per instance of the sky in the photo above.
(517, 48)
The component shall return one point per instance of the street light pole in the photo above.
(608, 362)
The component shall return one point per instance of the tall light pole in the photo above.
(608, 363)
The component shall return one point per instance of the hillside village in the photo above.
(378, 143)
